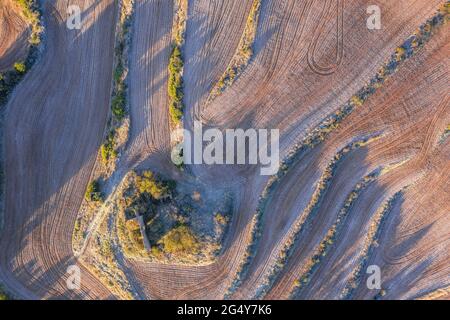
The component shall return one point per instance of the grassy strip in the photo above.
(118, 122)
(243, 54)
(328, 241)
(369, 245)
(176, 65)
(308, 214)
(331, 122)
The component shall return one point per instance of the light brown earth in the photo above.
(52, 139)
(14, 33)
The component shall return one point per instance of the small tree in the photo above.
(20, 67)
(93, 192)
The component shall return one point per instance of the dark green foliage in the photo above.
(20, 67)
(93, 192)
(118, 72)
(107, 149)
(157, 188)
(118, 105)
(175, 85)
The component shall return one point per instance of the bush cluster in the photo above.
(180, 240)
(107, 149)
(93, 192)
(175, 85)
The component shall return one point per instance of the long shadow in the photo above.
(312, 224)
(385, 254)
(205, 51)
(346, 251)
(46, 150)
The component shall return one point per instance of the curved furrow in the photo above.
(412, 266)
(389, 107)
(149, 56)
(252, 101)
(370, 244)
(279, 237)
(46, 177)
(212, 37)
(327, 243)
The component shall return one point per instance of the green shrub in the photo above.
(20, 67)
(118, 73)
(107, 149)
(175, 113)
(180, 240)
(118, 104)
(148, 183)
(93, 192)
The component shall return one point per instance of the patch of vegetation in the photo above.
(445, 135)
(308, 214)
(176, 65)
(31, 12)
(180, 240)
(107, 149)
(93, 192)
(169, 232)
(118, 105)
(10, 79)
(119, 97)
(328, 241)
(20, 67)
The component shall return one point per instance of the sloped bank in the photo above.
(316, 136)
